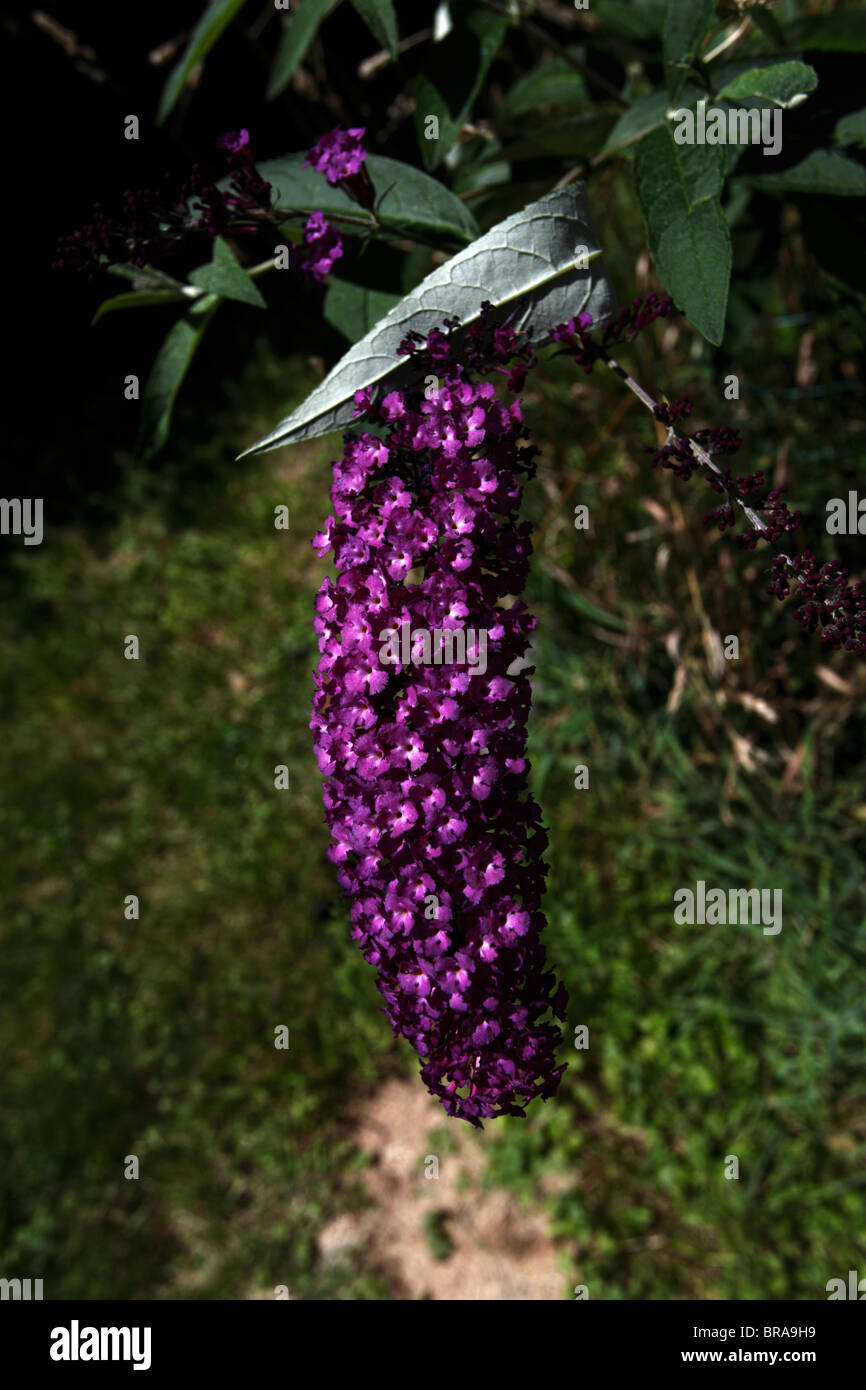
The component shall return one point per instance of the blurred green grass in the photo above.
(705, 1041)
(155, 1037)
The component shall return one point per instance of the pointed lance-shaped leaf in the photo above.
(538, 268)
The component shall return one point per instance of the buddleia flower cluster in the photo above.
(823, 599)
(156, 225)
(422, 743)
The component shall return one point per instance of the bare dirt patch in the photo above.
(499, 1248)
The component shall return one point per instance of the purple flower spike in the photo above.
(419, 725)
(234, 140)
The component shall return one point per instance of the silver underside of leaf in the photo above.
(533, 269)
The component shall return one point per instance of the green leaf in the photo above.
(296, 38)
(412, 199)
(481, 166)
(538, 267)
(781, 84)
(679, 187)
(453, 77)
(224, 276)
(648, 114)
(139, 299)
(304, 190)
(554, 83)
(686, 27)
(851, 130)
(145, 277)
(380, 19)
(354, 309)
(571, 136)
(416, 264)
(167, 373)
(768, 25)
(739, 197)
(213, 21)
(586, 609)
(628, 20)
(822, 171)
(838, 33)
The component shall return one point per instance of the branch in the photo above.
(697, 452)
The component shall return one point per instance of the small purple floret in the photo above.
(339, 154)
(436, 836)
